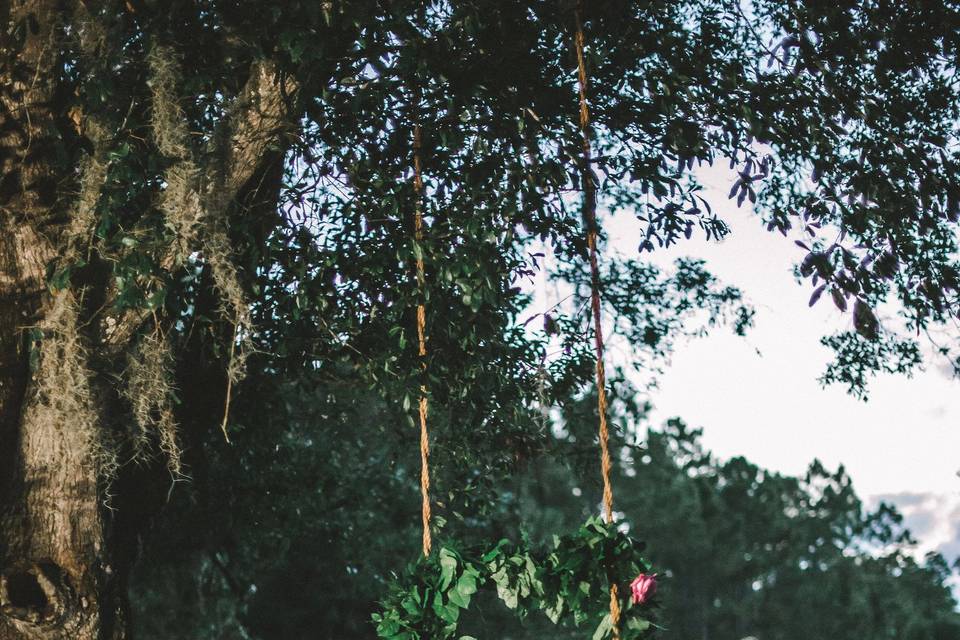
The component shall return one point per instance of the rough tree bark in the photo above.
(52, 562)
(60, 577)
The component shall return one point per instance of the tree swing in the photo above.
(579, 579)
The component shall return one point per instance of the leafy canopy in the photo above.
(837, 120)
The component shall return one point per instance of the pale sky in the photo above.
(759, 397)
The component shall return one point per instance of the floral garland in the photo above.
(569, 583)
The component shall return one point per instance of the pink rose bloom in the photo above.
(643, 587)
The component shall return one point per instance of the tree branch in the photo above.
(258, 123)
(254, 128)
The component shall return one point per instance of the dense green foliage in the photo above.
(741, 551)
(838, 121)
(748, 552)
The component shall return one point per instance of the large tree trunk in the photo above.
(63, 567)
(55, 577)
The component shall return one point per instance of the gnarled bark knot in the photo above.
(37, 594)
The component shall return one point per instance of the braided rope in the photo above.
(422, 350)
(590, 220)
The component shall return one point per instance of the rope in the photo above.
(422, 340)
(590, 220)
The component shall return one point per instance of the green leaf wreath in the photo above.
(569, 583)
